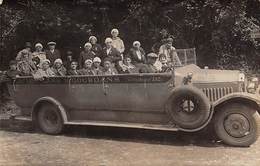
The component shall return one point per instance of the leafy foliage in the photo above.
(219, 30)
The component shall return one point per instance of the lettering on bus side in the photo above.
(97, 79)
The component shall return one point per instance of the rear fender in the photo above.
(50, 100)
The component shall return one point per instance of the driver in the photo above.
(170, 52)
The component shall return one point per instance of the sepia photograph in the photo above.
(129, 82)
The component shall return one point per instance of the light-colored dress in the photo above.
(118, 44)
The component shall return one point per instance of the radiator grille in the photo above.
(216, 93)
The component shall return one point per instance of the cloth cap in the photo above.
(88, 44)
(97, 59)
(46, 61)
(152, 55)
(25, 52)
(12, 62)
(58, 61)
(88, 61)
(28, 44)
(115, 31)
(69, 52)
(107, 59)
(169, 40)
(38, 45)
(108, 40)
(92, 38)
(136, 43)
(51, 43)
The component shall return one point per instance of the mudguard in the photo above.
(239, 95)
(52, 101)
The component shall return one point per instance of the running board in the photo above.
(110, 124)
(124, 125)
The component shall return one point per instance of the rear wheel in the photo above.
(49, 119)
(237, 124)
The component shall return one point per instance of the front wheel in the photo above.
(49, 119)
(237, 124)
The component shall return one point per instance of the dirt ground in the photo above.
(21, 144)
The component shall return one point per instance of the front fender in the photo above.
(52, 101)
(238, 96)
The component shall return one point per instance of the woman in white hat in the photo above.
(96, 48)
(117, 42)
(87, 70)
(44, 71)
(86, 54)
(58, 68)
(137, 54)
(39, 53)
(97, 68)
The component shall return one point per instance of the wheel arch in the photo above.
(247, 99)
(38, 103)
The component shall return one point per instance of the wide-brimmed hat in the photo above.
(51, 43)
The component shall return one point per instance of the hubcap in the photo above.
(50, 118)
(237, 125)
(187, 106)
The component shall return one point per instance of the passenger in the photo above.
(166, 66)
(128, 67)
(12, 72)
(87, 70)
(28, 47)
(110, 52)
(158, 63)
(96, 48)
(86, 54)
(58, 68)
(36, 62)
(137, 54)
(69, 59)
(149, 67)
(170, 52)
(52, 53)
(73, 68)
(45, 71)
(38, 53)
(108, 67)
(96, 66)
(117, 42)
(26, 66)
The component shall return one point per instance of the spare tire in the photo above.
(188, 107)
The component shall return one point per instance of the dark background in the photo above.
(218, 29)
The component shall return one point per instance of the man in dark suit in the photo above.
(137, 53)
(110, 52)
(52, 53)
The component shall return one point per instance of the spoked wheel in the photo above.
(49, 119)
(188, 107)
(237, 124)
